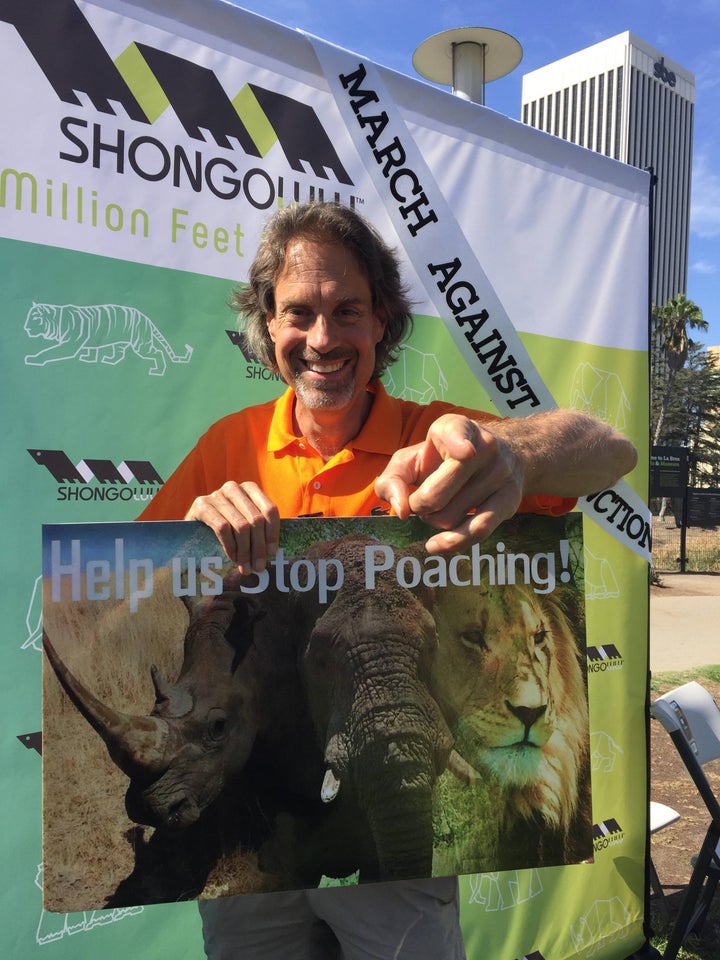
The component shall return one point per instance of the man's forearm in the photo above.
(565, 453)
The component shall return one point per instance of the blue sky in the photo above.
(688, 32)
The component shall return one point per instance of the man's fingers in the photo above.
(229, 526)
(402, 473)
(255, 524)
(262, 521)
(443, 488)
(474, 529)
(460, 469)
(245, 521)
(458, 488)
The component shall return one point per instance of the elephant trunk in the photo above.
(136, 744)
(383, 732)
(394, 781)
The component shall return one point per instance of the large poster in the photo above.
(144, 145)
(362, 711)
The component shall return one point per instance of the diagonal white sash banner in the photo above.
(447, 266)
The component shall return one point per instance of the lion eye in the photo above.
(540, 637)
(474, 638)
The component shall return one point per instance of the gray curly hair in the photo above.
(325, 223)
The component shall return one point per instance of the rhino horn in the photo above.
(138, 745)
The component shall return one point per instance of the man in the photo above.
(325, 306)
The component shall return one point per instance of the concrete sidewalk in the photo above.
(684, 621)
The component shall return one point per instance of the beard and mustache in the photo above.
(324, 394)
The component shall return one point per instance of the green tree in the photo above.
(671, 327)
(692, 415)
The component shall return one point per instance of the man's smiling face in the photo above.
(325, 329)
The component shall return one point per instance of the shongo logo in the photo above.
(115, 482)
(609, 833)
(32, 741)
(255, 370)
(144, 82)
(606, 657)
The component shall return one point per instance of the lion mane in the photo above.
(508, 678)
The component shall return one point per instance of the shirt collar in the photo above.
(281, 433)
(379, 434)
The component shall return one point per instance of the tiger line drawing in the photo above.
(99, 333)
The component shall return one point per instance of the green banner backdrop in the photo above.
(144, 145)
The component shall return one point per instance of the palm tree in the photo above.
(672, 322)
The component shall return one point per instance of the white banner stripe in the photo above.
(453, 278)
(447, 266)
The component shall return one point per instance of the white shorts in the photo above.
(402, 920)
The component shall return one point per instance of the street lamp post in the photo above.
(467, 58)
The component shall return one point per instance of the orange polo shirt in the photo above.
(258, 444)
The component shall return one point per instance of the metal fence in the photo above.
(701, 547)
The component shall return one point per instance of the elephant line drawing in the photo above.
(386, 734)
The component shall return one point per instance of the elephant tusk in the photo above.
(462, 769)
(330, 787)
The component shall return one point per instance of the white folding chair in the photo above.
(692, 718)
(661, 816)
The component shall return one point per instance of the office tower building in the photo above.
(623, 98)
